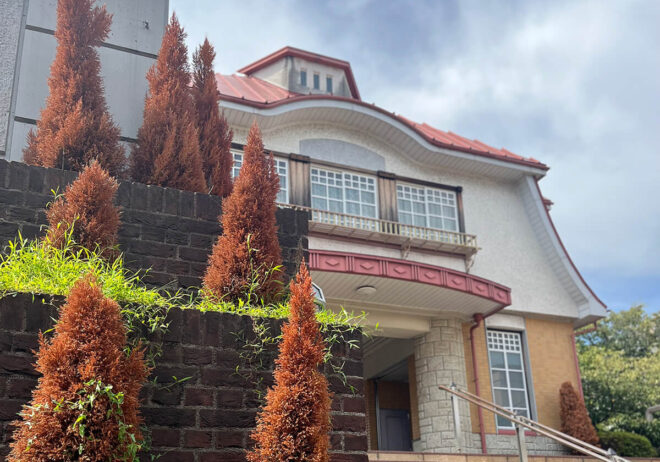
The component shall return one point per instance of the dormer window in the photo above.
(328, 84)
(303, 77)
(317, 81)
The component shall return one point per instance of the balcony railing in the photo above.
(374, 229)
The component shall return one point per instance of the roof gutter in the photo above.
(540, 168)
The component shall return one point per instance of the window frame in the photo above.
(429, 191)
(279, 161)
(343, 174)
(524, 370)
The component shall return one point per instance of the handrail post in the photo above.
(457, 420)
(520, 438)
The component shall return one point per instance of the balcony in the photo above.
(390, 232)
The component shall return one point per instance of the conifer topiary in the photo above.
(75, 126)
(214, 133)
(295, 422)
(245, 255)
(167, 149)
(85, 212)
(86, 404)
(575, 419)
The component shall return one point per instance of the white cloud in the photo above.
(541, 85)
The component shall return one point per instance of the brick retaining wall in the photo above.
(206, 418)
(167, 230)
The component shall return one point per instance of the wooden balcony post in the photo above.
(387, 204)
(299, 178)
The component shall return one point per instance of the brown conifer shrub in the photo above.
(248, 249)
(85, 212)
(167, 149)
(295, 422)
(575, 419)
(87, 350)
(214, 133)
(75, 126)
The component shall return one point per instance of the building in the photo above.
(27, 49)
(446, 243)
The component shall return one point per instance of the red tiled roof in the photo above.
(251, 88)
(258, 93)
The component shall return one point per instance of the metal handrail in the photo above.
(521, 421)
(393, 228)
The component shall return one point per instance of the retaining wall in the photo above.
(207, 417)
(167, 230)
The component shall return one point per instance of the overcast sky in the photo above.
(575, 84)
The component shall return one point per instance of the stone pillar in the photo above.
(440, 360)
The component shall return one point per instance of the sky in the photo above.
(575, 84)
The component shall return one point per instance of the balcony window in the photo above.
(328, 84)
(343, 192)
(238, 163)
(427, 207)
(303, 78)
(281, 166)
(317, 81)
(505, 353)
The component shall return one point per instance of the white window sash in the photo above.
(422, 196)
(344, 180)
(506, 342)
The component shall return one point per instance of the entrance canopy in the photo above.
(400, 295)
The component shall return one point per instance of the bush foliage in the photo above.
(167, 150)
(634, 424)
(214, 133)
(75, 126)
(627, 444)
(85, 406)
(295, 422)
(85, 212)
(575, 420)
(248, 247)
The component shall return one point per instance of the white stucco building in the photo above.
(447, 243)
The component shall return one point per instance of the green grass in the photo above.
(30, 266)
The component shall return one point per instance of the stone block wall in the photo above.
(440, 360)
(169, 231)
(205, 418)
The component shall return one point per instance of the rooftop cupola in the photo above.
(304, 72)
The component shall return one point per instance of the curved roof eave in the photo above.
(400, 122)
(591, 307)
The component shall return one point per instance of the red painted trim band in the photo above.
(371, 265)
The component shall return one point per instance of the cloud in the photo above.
(572, 83)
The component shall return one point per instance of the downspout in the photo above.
(478, 318)
(577, 366)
